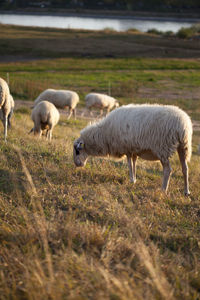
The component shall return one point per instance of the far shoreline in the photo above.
(174, 17)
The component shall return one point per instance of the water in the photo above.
(92, 23)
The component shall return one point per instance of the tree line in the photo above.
(154, 5)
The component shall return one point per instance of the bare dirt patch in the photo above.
(80, 111)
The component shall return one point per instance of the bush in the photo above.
(196, 28)
(133, 30)
(185, 33)
(155, 31)
(168, 33)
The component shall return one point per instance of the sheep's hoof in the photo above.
(133, 181)
(187, 194)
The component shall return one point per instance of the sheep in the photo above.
(12, 105)
(152, 132)
(6, 105)
(61, 99)
(100, 101)
(45, 116)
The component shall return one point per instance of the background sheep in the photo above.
(12, 105)
(100, 101)
(152, 132)
(61, 99)
(6, 104)
(45, 116)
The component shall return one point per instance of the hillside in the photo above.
(69, 233)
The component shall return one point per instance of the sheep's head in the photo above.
(79, 154)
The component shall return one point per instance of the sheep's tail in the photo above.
(44, 117)
(186, 141)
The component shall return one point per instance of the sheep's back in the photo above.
(45, 95)
(157, 128)
(45, 112)
(99, 100)
(66, 98)
(4, 91)
(60, 98)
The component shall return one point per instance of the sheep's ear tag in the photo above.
(82, 145)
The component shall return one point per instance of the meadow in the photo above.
(68, 233)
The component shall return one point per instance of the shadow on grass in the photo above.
(175, 243)
(6, 183)
(10, 182)
(96, 178)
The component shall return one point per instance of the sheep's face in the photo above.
(79, 153)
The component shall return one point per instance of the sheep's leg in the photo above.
(108, 110)
(84, 111)
(74, 113)
(132, 168)
(134, 159)
(50, 134)
(90, 111)
(101, 113)
(184, 170)
(31, 130)
(5, 124)
(40, 133)
(70, 113)
(9, 117)
(166, 174)
(9, 124)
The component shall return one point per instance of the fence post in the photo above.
(109, 88)
(8, 79)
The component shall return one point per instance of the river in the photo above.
(94, 22)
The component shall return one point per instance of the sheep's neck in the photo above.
(95, 142)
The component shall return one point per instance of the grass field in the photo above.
(68, 233)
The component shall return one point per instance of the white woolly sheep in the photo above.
(100, 101)
(152, 132)
(45, 116)
(6, 105)
(12, 105)
(61, 99)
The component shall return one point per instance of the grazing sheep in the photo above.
(152, 132)
(45, 116)
(100, 101)
(6, 105)
(61, 99)
(12, 105)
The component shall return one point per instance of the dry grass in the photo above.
(70, 233)
(77, 234)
